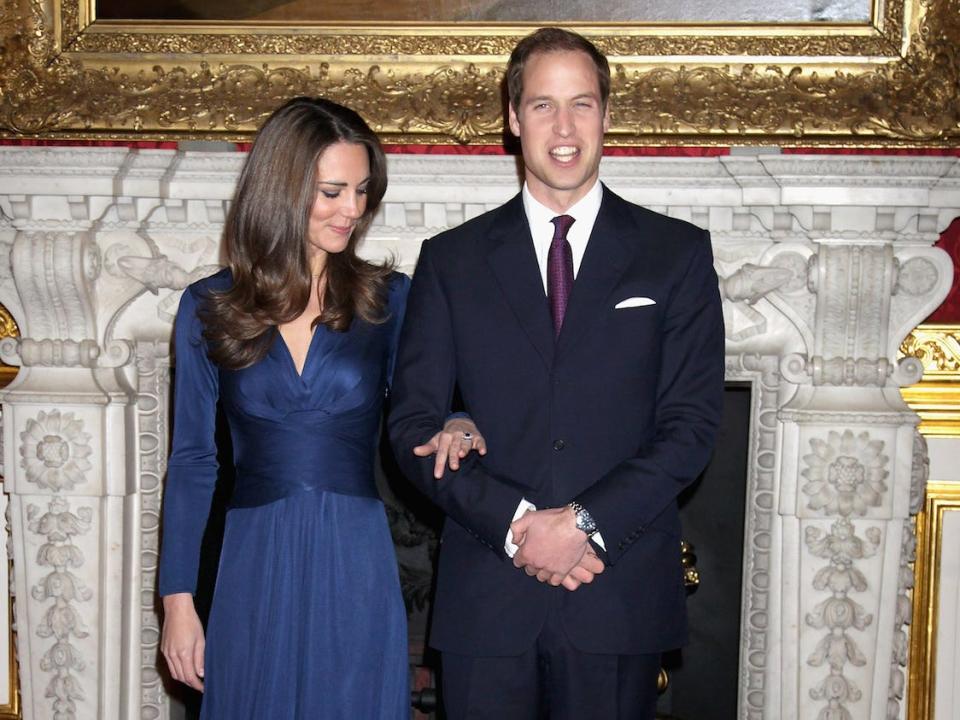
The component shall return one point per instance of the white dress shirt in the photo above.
(539, 216)
(584, 212)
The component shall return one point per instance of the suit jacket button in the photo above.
(558, 445)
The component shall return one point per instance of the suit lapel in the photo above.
(604, 262)
(514, 263)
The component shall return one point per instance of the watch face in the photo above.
(585, 522)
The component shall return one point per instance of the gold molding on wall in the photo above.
(936, 398)
(8, 328)
(889, 81)
(11, 711)
(941, 497)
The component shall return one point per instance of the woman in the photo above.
(295, 338)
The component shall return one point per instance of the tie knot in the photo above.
(561, 224)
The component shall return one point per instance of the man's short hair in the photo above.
(554, 39)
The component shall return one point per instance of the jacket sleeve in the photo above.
(192, 470)
(628, 498)
(423, 384)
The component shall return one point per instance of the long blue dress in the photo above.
(307, 619)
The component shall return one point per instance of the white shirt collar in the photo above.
(539, 216)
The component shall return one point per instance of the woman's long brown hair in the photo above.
(265, 236)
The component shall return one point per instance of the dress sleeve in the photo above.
(192, 470)
(399, 289)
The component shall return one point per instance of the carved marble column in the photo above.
(72, 485)
(849, 460)
(97, 241)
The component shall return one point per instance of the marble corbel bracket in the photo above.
(54, 274)
(868, 298)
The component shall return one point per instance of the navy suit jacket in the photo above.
(620, 412)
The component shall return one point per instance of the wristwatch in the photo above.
(585, 520)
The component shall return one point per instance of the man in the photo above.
(585, 337)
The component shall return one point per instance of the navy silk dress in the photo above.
(307, 618)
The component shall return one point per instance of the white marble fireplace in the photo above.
(825, 262)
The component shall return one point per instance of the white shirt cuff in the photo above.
(509, 547)
(598, 539)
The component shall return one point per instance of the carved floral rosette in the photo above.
(54, 450)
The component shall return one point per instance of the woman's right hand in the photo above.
(182, 642)
(458, 438)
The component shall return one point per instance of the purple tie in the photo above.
(559, 270)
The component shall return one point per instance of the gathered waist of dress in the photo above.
(274, 465)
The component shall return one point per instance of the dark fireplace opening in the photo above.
(703, 676)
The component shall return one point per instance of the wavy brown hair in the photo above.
(265, 236)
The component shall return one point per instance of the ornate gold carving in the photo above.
(937, 347)
(451, 45)
(11, 710)
(941, 497)
(8, 328)
(691, 575)
(63, 75)
(937, 397)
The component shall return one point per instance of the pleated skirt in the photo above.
(307, 620)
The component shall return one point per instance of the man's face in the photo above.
(560, 123)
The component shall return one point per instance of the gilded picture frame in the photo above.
(891, 81)
(941, 497)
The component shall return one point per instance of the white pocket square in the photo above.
(634, 302)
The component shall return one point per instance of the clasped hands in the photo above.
(553, 549)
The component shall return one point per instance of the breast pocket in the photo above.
(634, 319)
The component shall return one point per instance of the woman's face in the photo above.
(343, 173)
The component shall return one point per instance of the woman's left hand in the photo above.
(458, 437)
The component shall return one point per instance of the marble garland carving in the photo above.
(54, 454)
(62, 620)
(840, 613)
(845, 476)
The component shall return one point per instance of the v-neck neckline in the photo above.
(306, 358)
